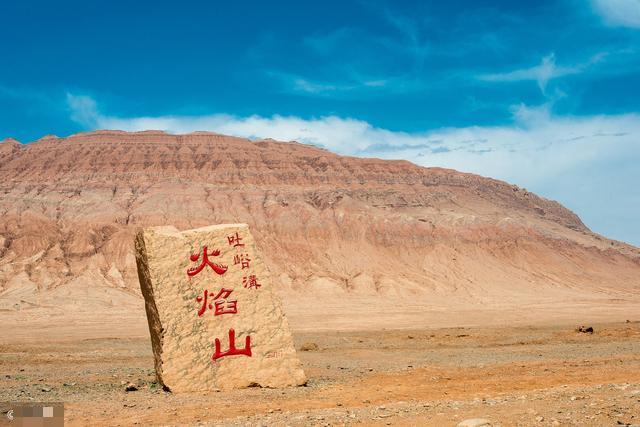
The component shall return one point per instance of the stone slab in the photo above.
(198, 304)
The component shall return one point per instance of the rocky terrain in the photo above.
(344, 237)
(526, 376)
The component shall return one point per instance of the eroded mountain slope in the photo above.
(348, 239)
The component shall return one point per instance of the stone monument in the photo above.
(214, 317)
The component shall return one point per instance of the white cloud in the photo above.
(542, 73)
(624, 13)
(587, 163)
(84, 110)
(301, 85)
(351, 82)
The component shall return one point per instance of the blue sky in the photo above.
(543, 94)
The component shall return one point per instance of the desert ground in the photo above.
(510, 375)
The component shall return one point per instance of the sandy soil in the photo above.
(542, 375)
(327, 313)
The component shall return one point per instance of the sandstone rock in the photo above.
(309, 346)
(475, 422)
(207, 291)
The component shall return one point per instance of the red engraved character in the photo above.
(233, 351)
(218, 268)
(235, 240)
(250, 282)
(242, 259)
(222, 306)
(203, 300)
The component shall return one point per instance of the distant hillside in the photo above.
(348, 239)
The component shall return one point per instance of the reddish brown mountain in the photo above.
(354, 242)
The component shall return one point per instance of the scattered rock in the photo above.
(309, 346)
(46, 389)
(540, 418)
(475, 422)
(585, 329)
(131, 387)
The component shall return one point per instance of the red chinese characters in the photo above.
(242, 260)
(235, 240)
(250, 282)
(220, 302)
(233, 351)
(218, 268)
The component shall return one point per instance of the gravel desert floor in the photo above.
(542, 375)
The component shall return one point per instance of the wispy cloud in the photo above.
(542, 73)
(351, 84)
(298, 84)
(354, 61)
(410, 29)
(404, 40)
(84, 110)
(406, 53)
(624, 13)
